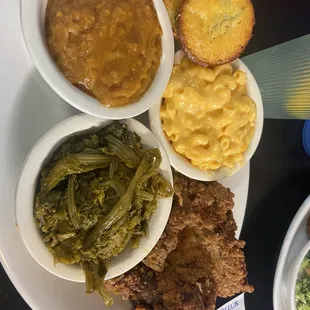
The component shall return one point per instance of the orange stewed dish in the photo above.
(110, 49)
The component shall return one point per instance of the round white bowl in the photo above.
(294, 273)
(183, 165)
(294, 248)
(33, 22)
(26, 187)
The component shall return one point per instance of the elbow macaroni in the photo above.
(207, 115)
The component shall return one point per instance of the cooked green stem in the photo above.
(136, 241)
(94, 278)
(162, 187)
(89, 279)
(143, 195)
(113, 168)
(63, 237)
(118, 187)
(124, 152)
(157, 159)
(116, 243)
(71, 201)
(73, 164)
(151, 159)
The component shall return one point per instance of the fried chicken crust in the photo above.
(197, 258)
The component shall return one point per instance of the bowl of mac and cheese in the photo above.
(209, 120)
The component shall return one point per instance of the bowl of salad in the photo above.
(300, 288)
(291, 282)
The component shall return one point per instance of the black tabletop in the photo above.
(280, 168)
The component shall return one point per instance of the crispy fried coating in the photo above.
(197, 258)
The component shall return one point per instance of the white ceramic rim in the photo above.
(32, 21)
(278, 284)
(182, 164)
(26, 189)
(295, 272)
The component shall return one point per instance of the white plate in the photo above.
(294, 243)
(28, 109)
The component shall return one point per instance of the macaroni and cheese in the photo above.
(207, 115)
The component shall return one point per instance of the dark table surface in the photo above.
(279, 169)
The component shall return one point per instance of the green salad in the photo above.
(302, 293)
(96, 194)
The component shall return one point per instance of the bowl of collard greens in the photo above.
(93, 198)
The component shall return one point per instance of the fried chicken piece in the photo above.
(230, 274)
(203, 257)
(196, 203)
(168, 241)
(197, 258)
(141, 307)
(177, 294)
(210, 242)
(138, 284)
(209, 201)
(209, 296)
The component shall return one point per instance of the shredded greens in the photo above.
(302, 293)
(96, 194)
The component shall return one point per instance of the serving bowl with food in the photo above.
(110, 59)
(300, 285)
(209, 120)
(93, 199)
(93, 203)
(291, 287)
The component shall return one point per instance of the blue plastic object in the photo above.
(306, 137)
